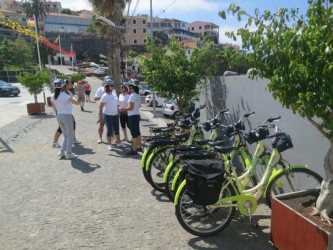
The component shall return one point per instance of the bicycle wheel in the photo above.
(204, 220)
(157, 167)
(150, 150)
(168, 184)
(298, 179)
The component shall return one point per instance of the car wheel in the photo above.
(16, 95)
(175, 115)
(152, 104)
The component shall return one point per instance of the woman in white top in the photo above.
(123, 100)
(63, 101)
(108, 112)
(133, 113)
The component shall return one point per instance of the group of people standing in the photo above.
(123, 110)
(113, 111)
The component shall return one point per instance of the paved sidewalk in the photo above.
(98, 201)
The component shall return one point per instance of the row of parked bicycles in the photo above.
(200, 177)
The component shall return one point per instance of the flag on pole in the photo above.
(57, 39)
(31, 22)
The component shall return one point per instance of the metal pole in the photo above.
(38, 54)
(152, 36)
(60, 50)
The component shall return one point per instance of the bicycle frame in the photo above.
(195, 133)
(246, 200)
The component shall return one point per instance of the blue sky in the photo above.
(197, 10)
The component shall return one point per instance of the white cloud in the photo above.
(76, 4)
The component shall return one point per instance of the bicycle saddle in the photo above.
(166, 141)
(223, 149)
(157, 137)
(182, 135)
(201, 141)
(161, 129)
(184, 148)
(197, 155)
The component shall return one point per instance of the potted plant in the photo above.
(35, 85)
(293, 211)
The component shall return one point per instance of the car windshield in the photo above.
(2, 83)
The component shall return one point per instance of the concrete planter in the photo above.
(36, 108)
(48, 99)
(291, 230)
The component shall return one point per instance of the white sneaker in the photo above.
(56, 145)
(61, 153)
(76, 141)
(109, 147)
(124, 139)
(99, 141)
(71, 156)
(120, 145)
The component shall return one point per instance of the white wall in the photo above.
(242, 95)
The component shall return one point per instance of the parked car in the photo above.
(134, 81)
(170, 108)
(144, 90)
(6, 89)
(158, 100)
(96, 71)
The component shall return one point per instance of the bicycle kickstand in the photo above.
(253, 222)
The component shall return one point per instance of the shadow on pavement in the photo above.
(84, 167)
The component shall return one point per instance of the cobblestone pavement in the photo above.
(98, 201)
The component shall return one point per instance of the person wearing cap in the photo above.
(133, 113)
(98, 95)
(123, 99)
(63, 101)
(108, 112)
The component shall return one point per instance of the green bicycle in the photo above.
(206, 218)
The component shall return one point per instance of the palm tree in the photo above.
(112, 10)
(36, 8)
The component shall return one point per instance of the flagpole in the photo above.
(60, 50)
(38, 54)
(72, 56)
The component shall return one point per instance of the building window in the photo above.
(143, 21)
(192, 28)
(134, 31)
(134, 21)
(144, 31)
(144, 40)
(189, 51)
(135, 41)
(199, 27)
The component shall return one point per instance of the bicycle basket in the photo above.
(282, 143)
(256, 135)
(204, 180)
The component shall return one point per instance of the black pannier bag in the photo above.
(204, 180)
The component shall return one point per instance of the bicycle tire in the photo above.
(204, 221)
(301, 179)
(144, 171)
(167, 185)
(157, 167)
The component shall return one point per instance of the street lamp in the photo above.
(106, 21)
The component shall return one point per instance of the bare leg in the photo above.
(56, 136)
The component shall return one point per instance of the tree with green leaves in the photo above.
(173, 74)
(22, 53)
(37, 9)
(112, 10)
(295, 52)
(6, 52)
